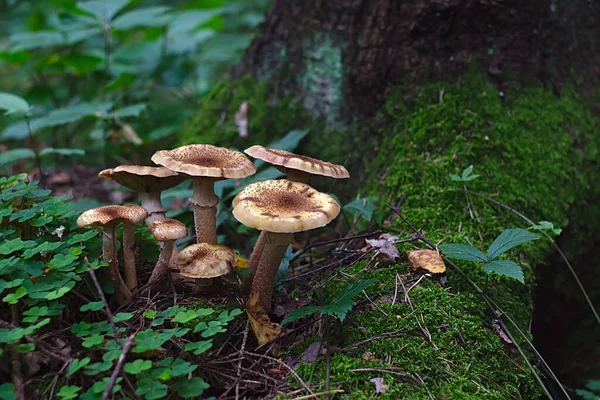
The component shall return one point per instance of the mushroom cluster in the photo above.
(278, 208)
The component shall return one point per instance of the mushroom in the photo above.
(109, 217)
(148, 182)
(297, 168)
(280, 208)
(205, 164)
(204, 260)
(167, 231)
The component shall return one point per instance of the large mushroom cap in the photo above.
(299, 162)
(205, 160)
(107, 214)
(284, 206)
(167, 229)
(205, 260)
(143, 179)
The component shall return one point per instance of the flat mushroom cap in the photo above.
(289, 160)
(205, 260)
(205, 160)
(284, 206)
(143, 179)
(164, 229)
(104, 215)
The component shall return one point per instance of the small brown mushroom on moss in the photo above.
(167, 231)
(280, 208)
(109, 217)
(205, 164)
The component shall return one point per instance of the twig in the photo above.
(344, 239)
(314, 395)
(239, 365)
(113, 377)
(389, 370)
(395, 289)
(16, 367)
(423, 329)
(374, 304)
(105, 303)
(291, 371)
(382, 336)
(569, 266)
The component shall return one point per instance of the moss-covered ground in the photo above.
(532, 150)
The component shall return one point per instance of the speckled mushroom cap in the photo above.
(167, 229)
(205, 160)
(205, 260)
(143, 179)
(284, 206)
(104, 215)
(302, 163)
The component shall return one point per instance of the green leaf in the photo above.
(67, 115)
(137, 366)
(150, 340)
(182, 367)
(462, 252)
(546, 225)
(122, 316)
(60, 292)
(7, 391)
(509, 239)
(150, 314)
(362, 207)
(25, 347)
(212, 330)
(91, 341)
(104, 9)
(62, 152)
(191, 388)
(77, 364)
(82, 64)
(13, 298)
(593, 384)
(506, 268)
(68, 392)
(466, 174)
(185, 316)
(16, 155)
(199, 347)
(340, 307)
(151, 389)
(12, 104)
(133, 110)
(92, 306)
(149, 16)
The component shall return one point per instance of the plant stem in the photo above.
(38, 160)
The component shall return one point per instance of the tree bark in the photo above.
(340, 56)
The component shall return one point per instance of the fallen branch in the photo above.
(113, 377)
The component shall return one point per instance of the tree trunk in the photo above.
(340, 56)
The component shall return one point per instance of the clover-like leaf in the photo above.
(182, 367)
(92, 306)
(77, 364)
(137, 366)
(191, 388)
(94, 340)
(199, 347)
(68, 392)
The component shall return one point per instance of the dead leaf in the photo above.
(241, 263)
(241, 119)
(501, 334)
(264, 330)
(386, 250)
(311, 353)
(369, 356)
(380, 386)
(429, 260)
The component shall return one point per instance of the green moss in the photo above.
(525, 146)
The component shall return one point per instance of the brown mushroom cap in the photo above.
(284, 206)
(205, 260)
(299, 162)
(143, 179)
(104, 215)
(167, 229)
(205, 160)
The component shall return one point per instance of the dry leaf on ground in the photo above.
(264, 330)
(387, 252)
(429, 260)
(380, 386)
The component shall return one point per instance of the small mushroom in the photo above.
(109, 217)
(280, 208)
(205, 164)
(148, 182)
(298, 168)
(167, 231)
(204, 260)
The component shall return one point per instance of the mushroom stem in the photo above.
(109, 253)
(152, 203)
(203, 204)
(296, 175)
(129, 255)
(274, 249)
(254, 260)
(164, 260)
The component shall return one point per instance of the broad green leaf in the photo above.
(70, 114)
(77, 364)
(62, 152)
(92, 306)
(190, 20)
(122, 316)
(13, 104)
(546, 225)
(149, 16)
(15, 155)
(150, 340)
(82, 64)
(509, 239)
(133, 110)
(191, 388)
(7, 391)
(68, 392)
(290, 141)
(137, 366)
(505, 268)
(362, 207)
(104, 9)
(462, 252)
(60, 292)
(97, 368)
(593, 384)
(184, 316)
(340, 307)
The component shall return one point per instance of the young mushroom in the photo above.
(109, 217)
(148, 182)
(204, 261)
(205, 164)
(280, 208)
(298, 168)
(167, 231)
